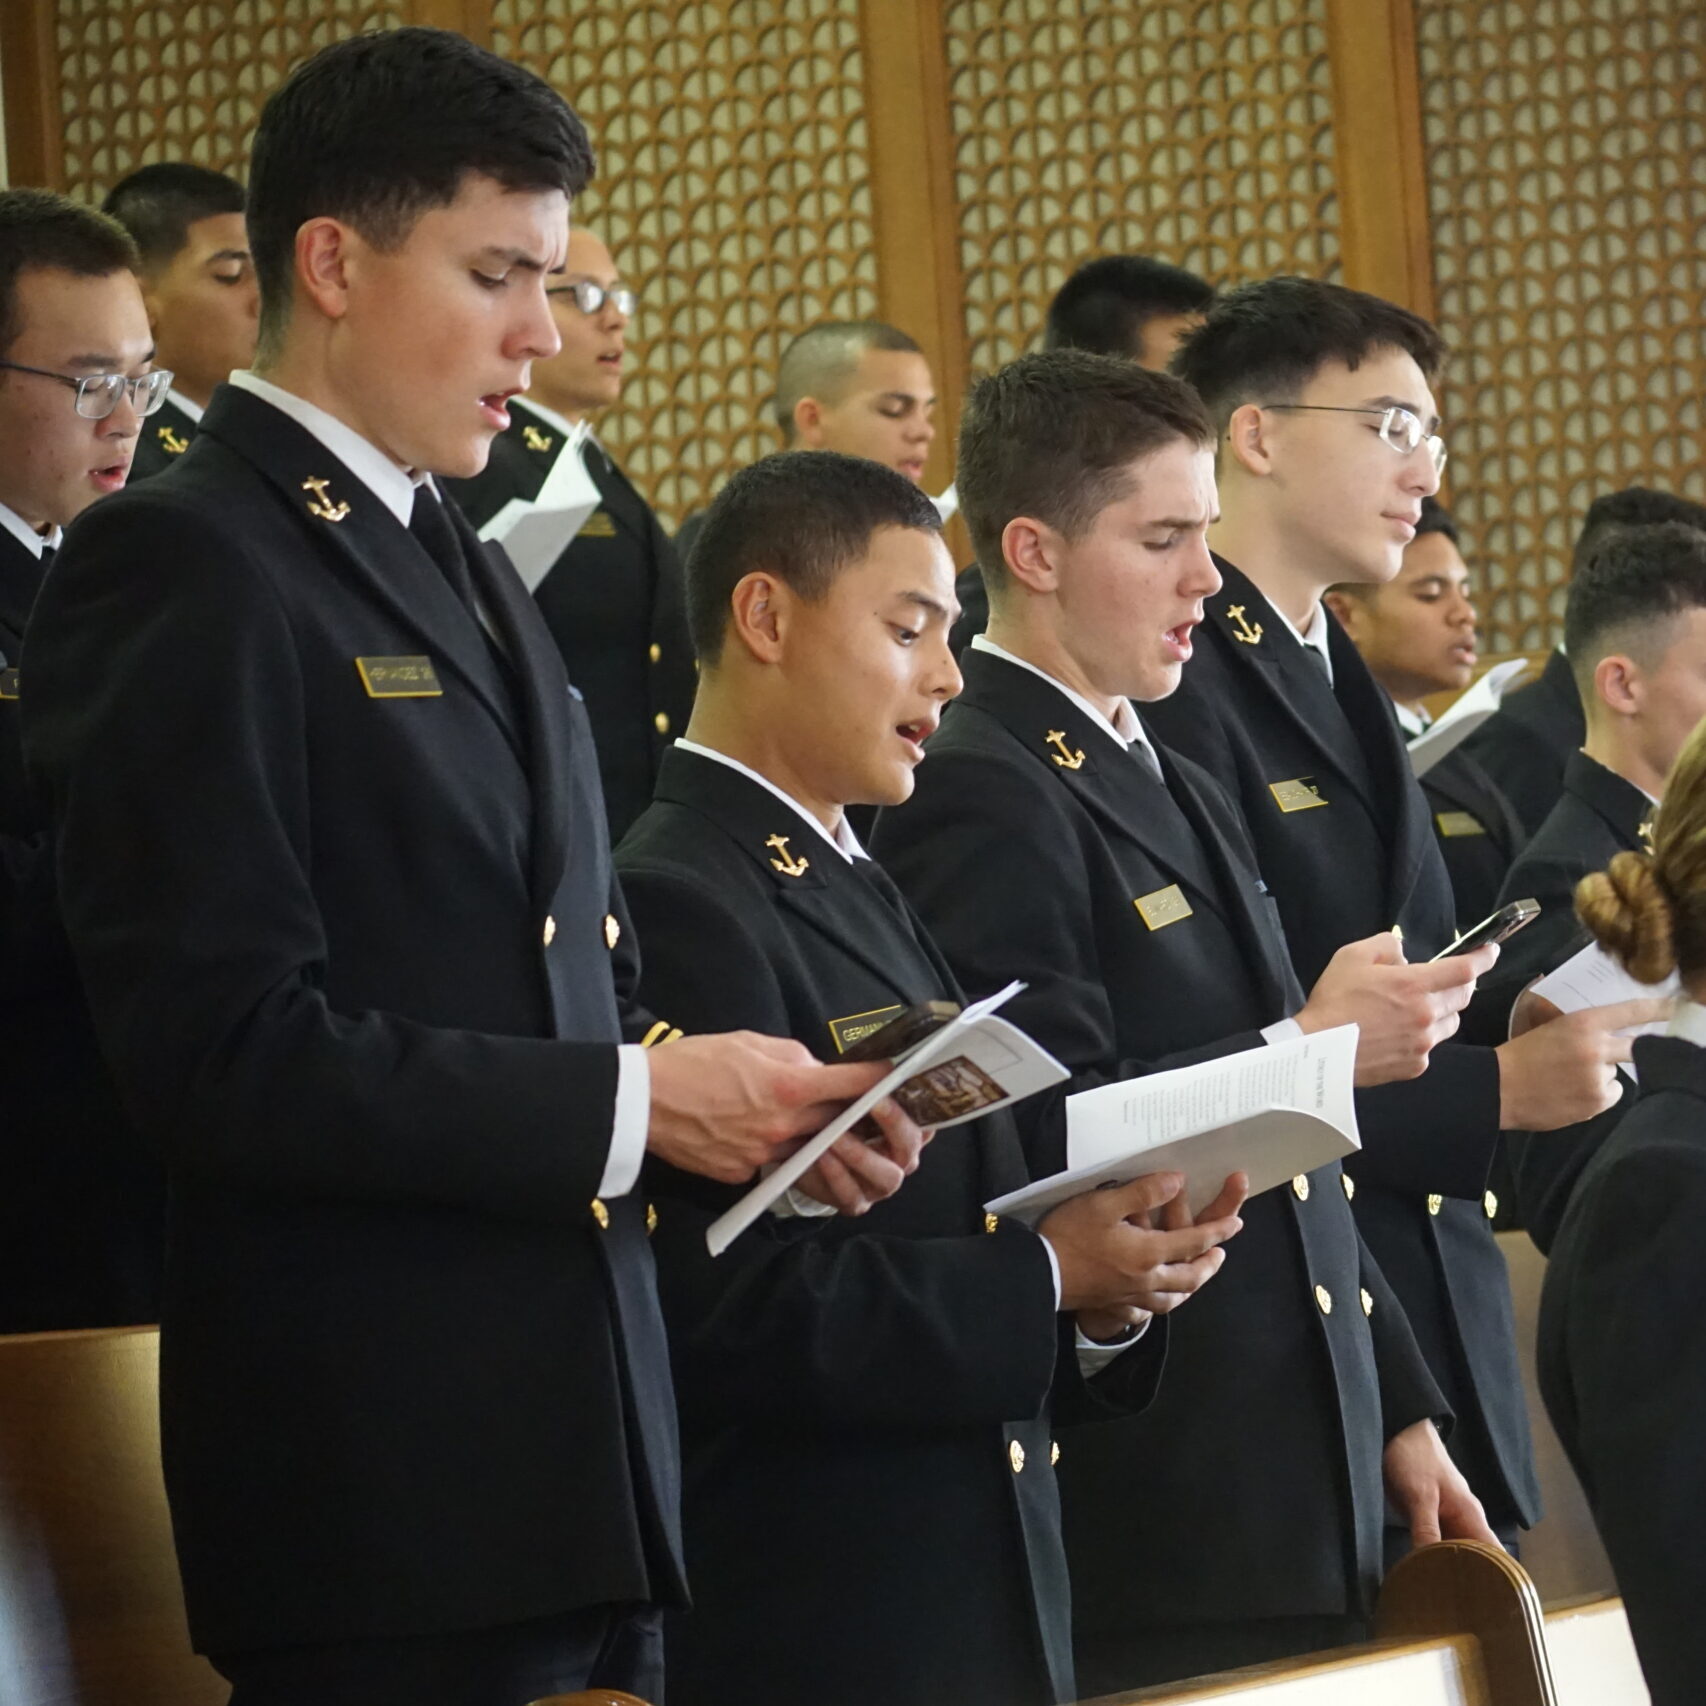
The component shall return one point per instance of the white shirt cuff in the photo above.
(1286, 1031)
(794, 1204)
(630, 1122)
(1092, 1357)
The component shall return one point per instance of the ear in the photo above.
(758, 609)
(1347, 609)
(1248, 442)
(324, 250)
(1619, 685)
(1031, 551)
(808, 424)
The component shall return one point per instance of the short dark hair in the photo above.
(801, 515)
(381, 128)
(1436, 518)
(1264, 342)
(823, 358)
(1634, 506)
(1631, 583)
(39, 228)
(1052, 435)
(1105, 305)
(158, 204)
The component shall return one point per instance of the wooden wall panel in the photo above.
(1201, 133)
(734, 190)
(1566, 145)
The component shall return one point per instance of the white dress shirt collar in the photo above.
(1314, 636)
(551, 418)
(188, 405)
(33, 542)
(394, 487)
(1125, 727)
(842, 839)
(1688, 1022)
(1409, 721)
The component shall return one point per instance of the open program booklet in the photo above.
(536, 534)
(1464, 716)
(971, 1066)
(1272, 1112)
(1593, 978)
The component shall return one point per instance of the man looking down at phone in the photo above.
(1329, 438)
(1048, 840)
(871, 1400)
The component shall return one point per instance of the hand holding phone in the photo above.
(1499, 928)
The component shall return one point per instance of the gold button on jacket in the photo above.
(1053, 1453)
(550, 930)
(991, 1221)
(1325, 1298)
(1300, 1187)
(600, 1213)
(1016, 1455)
(651, 1217)
(1435, 1204)
(1367, 1303)
(1491, 1204)
(1350, 1185)
(661, 722)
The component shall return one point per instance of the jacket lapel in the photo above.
(1112, 782)
(354, 528)
(1622, 806)
(21, 575)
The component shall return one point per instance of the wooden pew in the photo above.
(91, 1613)
(1593, 1655)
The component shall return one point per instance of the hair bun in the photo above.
(1629, 914)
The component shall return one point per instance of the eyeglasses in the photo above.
(590, 297)
(98, 393)
(1399, 429)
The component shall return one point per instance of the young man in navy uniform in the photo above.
(1323, 406)
(613, 599)
(1049, 840)
(198, 282)
(82, 1203)
(906, 1367)
(333, 864)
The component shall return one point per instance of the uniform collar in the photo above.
(1314, 636)
(1126, 729)
(843, 840)
(394, 487)
(188, 406)
(1408, 721)
(33, 542)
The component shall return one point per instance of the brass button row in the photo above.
(602, 1215)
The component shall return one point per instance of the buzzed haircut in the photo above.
(1263, 343)
(158, 204)
(1053, 436)
(1631, 585)
(800, 515)
(1634, 506)
(822, 361)
(379, 129)
(39, 228)
(1105, 305)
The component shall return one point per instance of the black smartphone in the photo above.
(905, 1030)
(1499, 928)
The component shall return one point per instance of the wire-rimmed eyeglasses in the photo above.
(98, 393)
(1399, 429)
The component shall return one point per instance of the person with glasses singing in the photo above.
(1329, 440)
(613, 601)
(81, 1202)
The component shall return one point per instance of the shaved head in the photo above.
(824, 361)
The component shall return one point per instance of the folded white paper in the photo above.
(1593, 978)
(1464, 716)
(948, 504)
(535, 534)
(1271, 1112)
(976, 1062)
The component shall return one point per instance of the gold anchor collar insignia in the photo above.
(170, 442)
(534, 439)
(789, 864)
(320, 504)
(1067, 757)
(1646, 834)
(1241, 626)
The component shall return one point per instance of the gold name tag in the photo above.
(1166, 906)
(599, 526)
(846, 1032)
(8, 684)
(1296, 796)
(1459, 823)
(399, 678)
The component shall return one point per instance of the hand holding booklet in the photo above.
(971, 1066)
(536, 534)
(1272, 1112)
(1593, 978)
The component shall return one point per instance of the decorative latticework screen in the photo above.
(1198, 132)
(147, 80)
(733, 190)
(1567, 186)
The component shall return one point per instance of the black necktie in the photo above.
(1319, 658)
(437, 536)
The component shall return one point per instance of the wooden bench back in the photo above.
(89, 1595)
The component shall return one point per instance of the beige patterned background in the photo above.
(734, 190)
(1567, 187)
